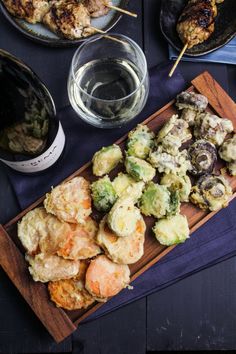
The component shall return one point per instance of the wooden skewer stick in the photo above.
(178, 60)
(126, 12)
(107, 36)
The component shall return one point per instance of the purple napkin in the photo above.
(214, 242)
(82, 140)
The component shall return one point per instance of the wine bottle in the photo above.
(31, 136)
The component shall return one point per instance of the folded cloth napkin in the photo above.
(215, 241)
(225, 55)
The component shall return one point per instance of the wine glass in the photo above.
(108, 83)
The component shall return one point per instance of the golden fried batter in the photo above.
(69, 19)
(81, 242)
(71, 294)
(70, 201)
(30, 10)
(42, 232)
(46, 268)
(105, 278)
(122, 250)
(32, 227)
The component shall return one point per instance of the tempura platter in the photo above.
(61, 323)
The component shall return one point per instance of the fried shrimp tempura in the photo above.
(46, 268)
(122, 250)
(70, 201)
(71, 294)
(81, 242)
(105, 278)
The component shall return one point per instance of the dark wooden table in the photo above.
(197, 313)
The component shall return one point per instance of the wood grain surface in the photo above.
(63, 323)
(35, 293)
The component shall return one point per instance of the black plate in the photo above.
(39, 33)
(225, 26)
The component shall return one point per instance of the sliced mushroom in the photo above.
(191, 100)
(212, 128)
(173, 134)
(211, 192)
(170, 163)
(203, 157)
(189, 116)
(228, 153)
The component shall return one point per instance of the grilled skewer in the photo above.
(30, 10)
(196, 24)
(99, 8)
(68, 19)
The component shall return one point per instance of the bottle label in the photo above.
(44, 161)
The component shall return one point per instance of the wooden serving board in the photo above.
(61, 323)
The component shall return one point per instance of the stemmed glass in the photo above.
(108, 83)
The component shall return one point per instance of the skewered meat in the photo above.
(31, 10)
(197, 22)
(69, 19)
(97, 8)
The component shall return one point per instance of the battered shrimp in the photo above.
(105, 278)
(70, 201)
(122, 250)
(71, 294)
(81, 242)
